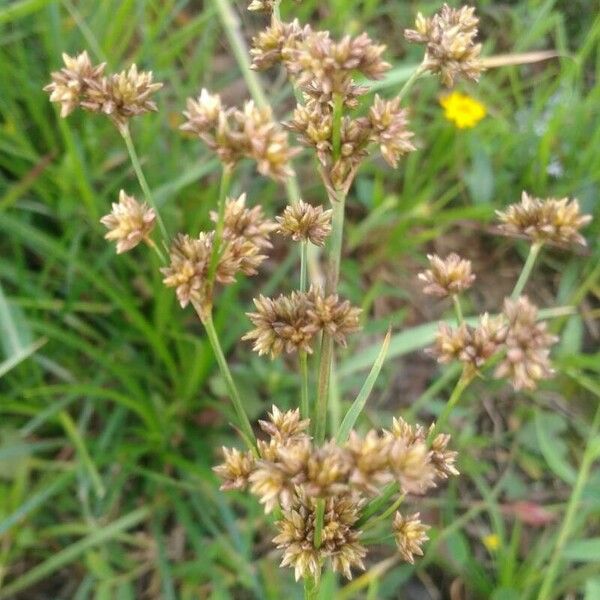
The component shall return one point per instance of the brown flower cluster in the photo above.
(293, 474)
(545, 221)
(516, 331)
(119, 96)
(473, 346)
(245, 237)
(410, 535)
(304, 222)
(234, 134)
(289, 323)
(528, 345)
(129, 222)
(451, 50)
(323, 70)
(448, 276)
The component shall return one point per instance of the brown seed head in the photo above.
(236, 469)
(129, 222)
(70, 84)
(122, 96)
(545, 221)
(410, 535)
(336, 317)
(340, 541)
(449, 36)
(389, 129)
(442, 459)
(304, 222)
(447, 276)
(528, 346)
(285, 427)
(370, 459)
(276, 43)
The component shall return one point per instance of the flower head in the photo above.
(336, 317)
(236, 469)
(129, 222)
(528, 345)
(122, 95)
(70, 84)
(447, 276)
(410, 535)
(304, 222)
(449, 37)
(545, 221)
(462, 110)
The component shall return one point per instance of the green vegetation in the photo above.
(112, 405)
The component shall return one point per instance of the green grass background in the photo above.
(112, 409)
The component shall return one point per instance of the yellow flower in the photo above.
(462, 110)
(491, 542)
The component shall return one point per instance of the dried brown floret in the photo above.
(410, 535)
(336, 317)
(122, 96)
(442, 459)
(370, 459)
(235, 134)
(236, 469)
(275, 43)
(129, 222)
(284, 427)
(282, 324)
(473, 346)
(70, 84)
(545, 221)
(449, 36)
(340, 541)
(448, 276)
(304, 222)
(389, 129)
(528, 346)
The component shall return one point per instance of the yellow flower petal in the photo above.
(462, 110)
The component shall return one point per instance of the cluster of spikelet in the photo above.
(120, 96)
(323, 72)
(516, 333)
(291, 475)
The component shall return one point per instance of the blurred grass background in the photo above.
(112, 410)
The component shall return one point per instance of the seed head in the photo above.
(235, 134)
(449, 36)
(70, 84)
(122, 96)
(236, 469)
(336, 317)
(410, 535)
(447, 276)
(528, 346)
(370, 459)
(304, 222)
(282, 324)
(129, 222)
(340, 540)
(389, 129)
(442, 459)
(275, 43)
(545, 221)
(285, 427)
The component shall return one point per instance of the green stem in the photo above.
(331, 283)
(319, 521)
(304, 403)
(311, 588)
(336, 127)
(386, 513)
(587, 461)
(527, 268)
(461, 385)
(457, 309)
(219, 227)
(152, 244)
(242, 417)
(137, 167)
(375, 505)
(303, 265)
(410, 81)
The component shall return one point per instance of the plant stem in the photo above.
(461, 385)
(137, 167)
(319, 520)
(152, 244)
(333, 272)
(303, 265)
(304, 403)
(311, 588)
(527, 268)
(589, 455)
(410, 81)
(217, 240)
(377, 503)
(242, 417)
(336, 127)
(457, 309)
